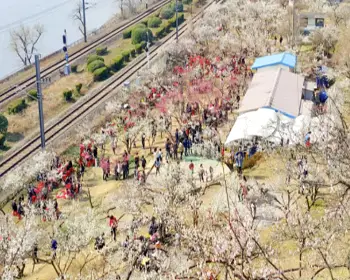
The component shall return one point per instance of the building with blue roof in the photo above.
(284, 60)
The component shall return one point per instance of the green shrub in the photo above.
(167, 12)
(186, 2)
(143, 45)
(2, 140)
(252, 161)
(94, 57)
(140, 25)
(117, 63)
(74, 68)
(126, 55)
(145, 21)
(181, 19)
(180, 7)
(154, 22)
(68, 94)
(78, 87)
(101, 74)
(140, 34)
(133, 53)
(167, 26)
(101, 50)
(4, 123)
(32, 95)
(17, 106)
(95, 65)
(127, 33)
(138, 48)
(160, 33)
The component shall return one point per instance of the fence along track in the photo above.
(68, 121)
(11, 92)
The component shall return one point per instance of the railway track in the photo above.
(29, 82)
(66, 121)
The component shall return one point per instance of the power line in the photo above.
(20, 21)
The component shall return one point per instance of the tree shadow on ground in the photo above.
(14, 137)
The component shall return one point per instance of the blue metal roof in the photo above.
(286, 59)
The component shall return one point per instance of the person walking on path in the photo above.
(157, 166)
(181, 149)
(54, 246)
(143, 140)
(113, 223)
(95, 153)
(191, 167)
(125, 171)
(175, 150)
(137, 161)
(143, 162)
(201, 173)
(308, 139)
(167, 150)
(281, 40)
(114, 144)
(211, 171)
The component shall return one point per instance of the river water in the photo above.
(55, 15)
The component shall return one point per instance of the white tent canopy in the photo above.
(264, 122)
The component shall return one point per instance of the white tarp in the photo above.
(265, 123)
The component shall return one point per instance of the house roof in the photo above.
(286, 59)
(278, 89)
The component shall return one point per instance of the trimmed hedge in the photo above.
(138, 48)
(127, 33)
(126, 55)
(101, 50)
(167, 12)
(117, 63)
(68, 94)
(141, 25)
(74, 68)
(145, 21)
(186, 2)
(180, 7)
(78, 87)
(101, 74)
(154, 22)
(17, 106)
(4, 123)
(94, 57)
(133, 53)
(143, 45)
(140, 34)
(2, 140)
(181, 19)
(95, 65)
(33, 95)
(160, 33)
(167, 26)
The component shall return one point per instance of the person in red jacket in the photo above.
(191, 167)
(113, 223)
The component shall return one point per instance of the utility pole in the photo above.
(40, 100)
(147, 51)
(292, 3)
(177, 22)
(84, 18)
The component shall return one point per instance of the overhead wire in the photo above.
(13, 24)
